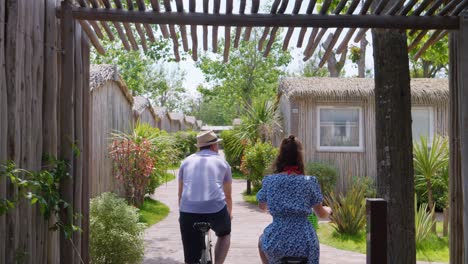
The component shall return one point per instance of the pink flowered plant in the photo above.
(133, 165)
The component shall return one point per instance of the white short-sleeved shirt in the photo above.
(203, 175)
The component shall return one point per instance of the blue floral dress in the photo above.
(290, 199)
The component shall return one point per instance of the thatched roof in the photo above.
(176, 116)
(160, 111)
(216, 128)
(101, 74)
(141, 103)
(190, 119)
(199, 123)
(423, 90)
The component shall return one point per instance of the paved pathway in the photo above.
(164, 245)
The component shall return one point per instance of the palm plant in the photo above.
(429, 161)
(261, 122)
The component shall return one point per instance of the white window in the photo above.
(339, 129)
(423, 124)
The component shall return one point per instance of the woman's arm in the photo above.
(262, 206)
(322, 211)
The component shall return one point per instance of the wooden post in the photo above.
(463, 116)
(395, 179)
(455, 180)
(66, 119)
(3, 132)
(376, 231)
(445, 222)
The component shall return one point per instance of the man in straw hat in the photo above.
(205, 195)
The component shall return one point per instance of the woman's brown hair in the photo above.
(290, 154)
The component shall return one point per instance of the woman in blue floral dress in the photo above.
(289, 196)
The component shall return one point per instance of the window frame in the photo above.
(431, 122)
(359, 148)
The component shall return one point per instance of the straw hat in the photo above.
(207, 138)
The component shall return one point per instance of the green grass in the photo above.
(167, 177)
(433, 249)
(251, 198)
(237, 175)
(152, 211)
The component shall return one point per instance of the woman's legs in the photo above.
(263, 257)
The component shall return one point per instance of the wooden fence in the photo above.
(33, 108)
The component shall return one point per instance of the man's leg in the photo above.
(221, 225)
(222, 248)
(192, 239)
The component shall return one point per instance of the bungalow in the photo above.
(143, 111)
(176, 121)
(335, 119)
(163, 118)
(111, 110)
(190, 122)
(199, 125)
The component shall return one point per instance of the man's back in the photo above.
(203, 175)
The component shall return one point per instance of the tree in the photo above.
(311, 67)
(246, 75)
(165, 87)
(134, 65)
(433, 62)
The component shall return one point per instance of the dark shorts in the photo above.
(193, 239)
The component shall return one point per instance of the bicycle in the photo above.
(206, 255)
(293, 260)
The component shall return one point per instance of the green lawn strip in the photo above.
(434, 249)
(250, 198)
(238, 175)
(152, 211)
(167, 177)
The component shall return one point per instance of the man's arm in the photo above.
(181, 188)
(227, 187)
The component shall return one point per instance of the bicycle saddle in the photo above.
(202, 226)
(293, 260)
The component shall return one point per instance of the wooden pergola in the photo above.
(353, 18)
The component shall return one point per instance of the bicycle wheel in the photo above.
(206, 256)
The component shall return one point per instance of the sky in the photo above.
(194, 76)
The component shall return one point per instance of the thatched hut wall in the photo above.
(111, 104)
(300, 99)
(143, 111)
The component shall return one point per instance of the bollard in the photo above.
(376, 210)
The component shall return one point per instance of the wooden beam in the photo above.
(193, 32)
(66, 120)
(463, 117)
(157, 9)
(261, 20)
(92, 37)
(214, 38)
(142, 36)
(122, 36)
(407, 8)
(297, 7)
(239, 29)
(349, 35)
(436, 36)
(131, 37)
(183, 29)
(205, 28)
(456, 240)
(108, 30)
(253, 11)
(227, 32)
(309, 11)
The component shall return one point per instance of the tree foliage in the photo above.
(433, 62)
(246, 75)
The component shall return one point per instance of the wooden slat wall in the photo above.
(29, 83)
(348, 164)
(111, 111)
(147, 117)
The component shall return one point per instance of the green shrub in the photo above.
(368, 184)
(423, 222)
(231, 148)
(185, 142)
(349, 211)
(439, 189)
(256, 160)
(115, 233)
(325, 174)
